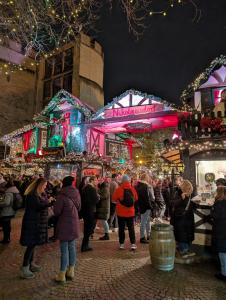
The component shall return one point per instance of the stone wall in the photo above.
(17, 100)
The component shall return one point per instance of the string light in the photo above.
(44, 25)
(217, 62)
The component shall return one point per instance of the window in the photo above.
(48, 68)
(56, 85)
(47, 89)
(67, 85)
(58, 74)
(58, 63)
(68, 60)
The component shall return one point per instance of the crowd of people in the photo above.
(117, 204)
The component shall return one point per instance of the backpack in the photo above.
(128, 198)
(17, 201)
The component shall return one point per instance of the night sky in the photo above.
(170, 54)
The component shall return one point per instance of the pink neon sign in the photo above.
(134, 110)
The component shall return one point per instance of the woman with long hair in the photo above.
(34, 229)
(219, 229)
(183, 220)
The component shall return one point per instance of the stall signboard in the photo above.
(91, 172)
(56, 152)
(133, 110)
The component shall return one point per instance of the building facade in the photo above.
(77, 68)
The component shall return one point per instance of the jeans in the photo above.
(105, 226)
(28, 256)
(222, 257)
(145, 223)
(68, 254)
(122, 222)
(184, 247)
(113, 221)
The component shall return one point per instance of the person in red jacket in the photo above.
(125, 196)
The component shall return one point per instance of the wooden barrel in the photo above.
(162, 247)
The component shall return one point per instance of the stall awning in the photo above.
(172, 156)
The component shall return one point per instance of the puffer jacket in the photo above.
(6, 205)
(103, 206)
(66, 208)
(121, 210)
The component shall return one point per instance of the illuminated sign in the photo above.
(133, 110)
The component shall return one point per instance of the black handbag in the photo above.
(183, 213)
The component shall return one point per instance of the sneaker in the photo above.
(35, 268)
(190, 254)
(25, 273)
(121, 247)
(133, 247)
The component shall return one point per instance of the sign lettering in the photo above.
(133, 110)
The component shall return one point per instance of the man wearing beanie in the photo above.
(125, 196)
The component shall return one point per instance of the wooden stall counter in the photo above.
(203, 225)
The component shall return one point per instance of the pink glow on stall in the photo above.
(149, 124)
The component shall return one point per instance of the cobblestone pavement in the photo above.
(106, 273)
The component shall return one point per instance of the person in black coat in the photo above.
(89, 200)
(183, 220)
(219, 229)
(145, 202)
(34, 229)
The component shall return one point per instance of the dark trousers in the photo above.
(89, 226)
(129, 222)
(28, 255)
(6, 227)
(113, 222)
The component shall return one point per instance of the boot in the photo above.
(26, 273)
(35, 268)
(105, 237)
(60, 278)
(70, 274)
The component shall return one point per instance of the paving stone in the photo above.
(105, 273)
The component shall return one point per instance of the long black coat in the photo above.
(89, 200)
(34, 229)
(184, 224)
(145, 199)
(219, 226)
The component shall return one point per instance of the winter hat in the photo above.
(68, 180)
(125, 178)
(220, 182)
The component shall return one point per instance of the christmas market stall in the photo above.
(25, 145)
(203, 145)
(65, 151)
(114, 129)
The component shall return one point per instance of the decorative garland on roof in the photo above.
(60, 98)
(197, 146)
(219, 61)
(135, 93)
(8, 137)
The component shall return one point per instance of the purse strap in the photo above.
(188, 204)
